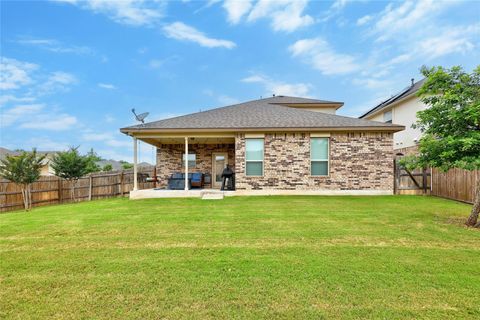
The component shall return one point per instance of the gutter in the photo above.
(392, 128)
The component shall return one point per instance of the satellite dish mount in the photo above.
(140, 117)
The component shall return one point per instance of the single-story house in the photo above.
(283, 144)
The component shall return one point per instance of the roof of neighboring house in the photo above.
(269, 113)
(118, 165)
(5, 151)
(408, 91)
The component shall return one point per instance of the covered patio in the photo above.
(178, 156)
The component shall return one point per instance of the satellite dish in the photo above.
(140, 117)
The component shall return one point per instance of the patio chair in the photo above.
(197, 180)
(177, 182)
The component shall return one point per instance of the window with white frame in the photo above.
(192, 160)
(387, 116)
(254, 157)
(319, 156)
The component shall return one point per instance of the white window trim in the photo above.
(262, 161)
(391, 116)
(319, 160)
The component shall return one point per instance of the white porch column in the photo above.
(186, 163)
(135, 172)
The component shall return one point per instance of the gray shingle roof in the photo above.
(261, 114)
(402, 94)
(4, 152)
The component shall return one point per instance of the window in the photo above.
(254, 157)
(192, 160)
(387, 116)
(319, 154)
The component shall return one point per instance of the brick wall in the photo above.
(169, 159)
(358, 161)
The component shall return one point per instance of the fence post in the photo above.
(424, 180)
(60, 191)
(121, 184)
(90, 185)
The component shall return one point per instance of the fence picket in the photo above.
(50, 189)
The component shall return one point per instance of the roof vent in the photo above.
(413, 81)
(273, 95)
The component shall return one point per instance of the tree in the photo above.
(92, 159)
(450, 125)
(107, 167)
(126, 165)
(23, 170)
(71, 166)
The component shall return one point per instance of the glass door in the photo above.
(219, 162)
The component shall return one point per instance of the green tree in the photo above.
(126, 165)
(92, 159)
(23, 170)
(107, 167)
(71, 166)
(450, 125)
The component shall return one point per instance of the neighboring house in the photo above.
(401, 108)
(46, 169)
(118, 165)
(276, 144)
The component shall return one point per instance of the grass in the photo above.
(389, 257)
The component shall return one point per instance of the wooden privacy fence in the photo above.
(411, 182)
(455, 184)
(52, 190)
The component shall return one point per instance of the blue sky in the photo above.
(72, 70)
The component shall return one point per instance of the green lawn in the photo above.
(390, 257)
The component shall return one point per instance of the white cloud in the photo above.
(416, 34)
(107, 86)
(17, 113)
(336, 7)
(129, 12)
(50, 122)
(15, 74)
(109, 138)
(155, 63)
(452, 40)
(223, 99)
(364, 20)
(47, 144)
(318, 53)
(285, 15)
(181, 31)
(409, 15)
(35, 116)
(278, 87)
(158, 63)
(371, 83)
(56, 81)
(5, 99)
(236, 9)
(55, 46)
(109, 118)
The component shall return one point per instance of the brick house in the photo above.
(277, 145)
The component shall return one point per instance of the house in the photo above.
(401, 108)
(46, 169)
(276, 145)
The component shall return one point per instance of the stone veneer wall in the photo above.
(358, 161)
(169, 159)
